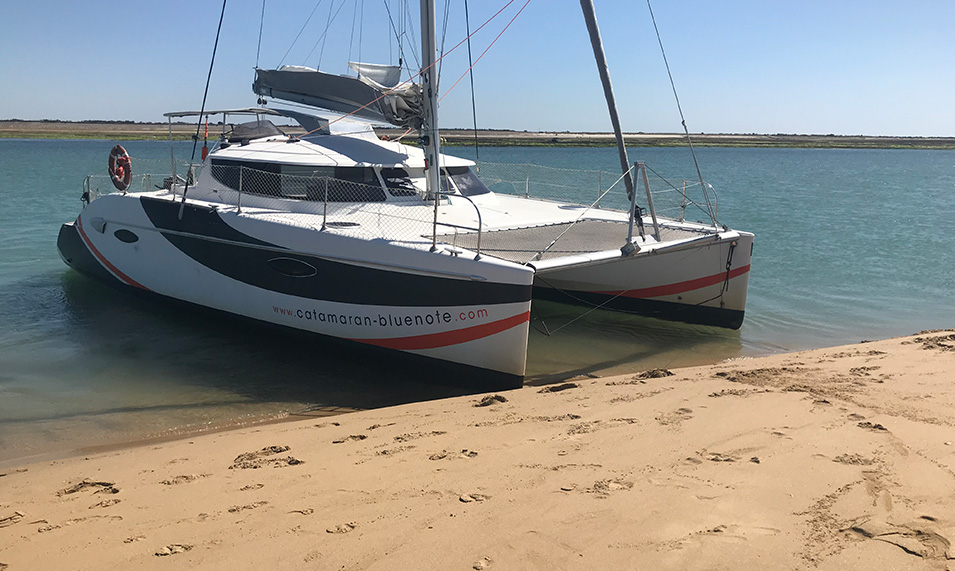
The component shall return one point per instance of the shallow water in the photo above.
(850, 245)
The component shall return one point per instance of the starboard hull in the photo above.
(702, 283)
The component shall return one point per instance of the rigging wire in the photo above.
(487, 48)
(390, 91)
(351, 37)
(467, 24)
(357, 16)
(307, 20)
(689, 141)
(397, 34)
(407, 27)
(202, 110)
(325, 33)
(258, 49)
(328, 24)
(444, 36)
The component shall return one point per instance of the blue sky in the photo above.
(740, 66)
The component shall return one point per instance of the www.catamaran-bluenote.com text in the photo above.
(436, 317)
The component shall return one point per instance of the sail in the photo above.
(377, 95)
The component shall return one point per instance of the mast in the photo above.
(430, 138)
(587, 6)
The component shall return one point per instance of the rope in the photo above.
(486, 50)
(689, 141)
(592, 309)
(195, 139)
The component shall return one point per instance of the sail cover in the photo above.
(376, 94)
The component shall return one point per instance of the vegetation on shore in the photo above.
(130, 130)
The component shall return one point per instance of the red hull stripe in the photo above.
(679, 287)
(435, 340)
(113, 269)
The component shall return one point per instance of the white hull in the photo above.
(488, 332)
(704, 281)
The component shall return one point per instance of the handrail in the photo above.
(480, 222)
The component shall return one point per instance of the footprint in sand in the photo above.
(376, 426)
(482, 563)
(417, 435)
(252, 506)
(490, 399)
(468, 498)
(853, 460)
(916, 538)
(15, 517)
(873, 427)
(260, 458)
(676, 417)
(451, 455)
(603, 488)
(655, 374)
(720, 457)
(86, 484)
(183, 479)
(558, 388)
(352, 438)
(106, 503)
(173, 549)
(342, 528)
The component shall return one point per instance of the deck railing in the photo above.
(393, 211)
(676, 200)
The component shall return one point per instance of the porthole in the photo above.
(124, 235)
(292, 267)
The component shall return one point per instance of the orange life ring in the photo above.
(120, 168)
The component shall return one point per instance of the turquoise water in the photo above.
(850, 245)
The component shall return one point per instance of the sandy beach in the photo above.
(839, 458)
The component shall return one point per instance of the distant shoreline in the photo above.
(125, 131)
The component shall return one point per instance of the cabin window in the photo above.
(257, 178)
(354, 184)
(398, 182)
(302, 182)
(467, 182)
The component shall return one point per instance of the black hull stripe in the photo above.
(206, 238)
(698, 314)
(78, 256)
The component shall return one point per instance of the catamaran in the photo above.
(342, 234)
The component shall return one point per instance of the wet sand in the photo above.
(839, 458)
